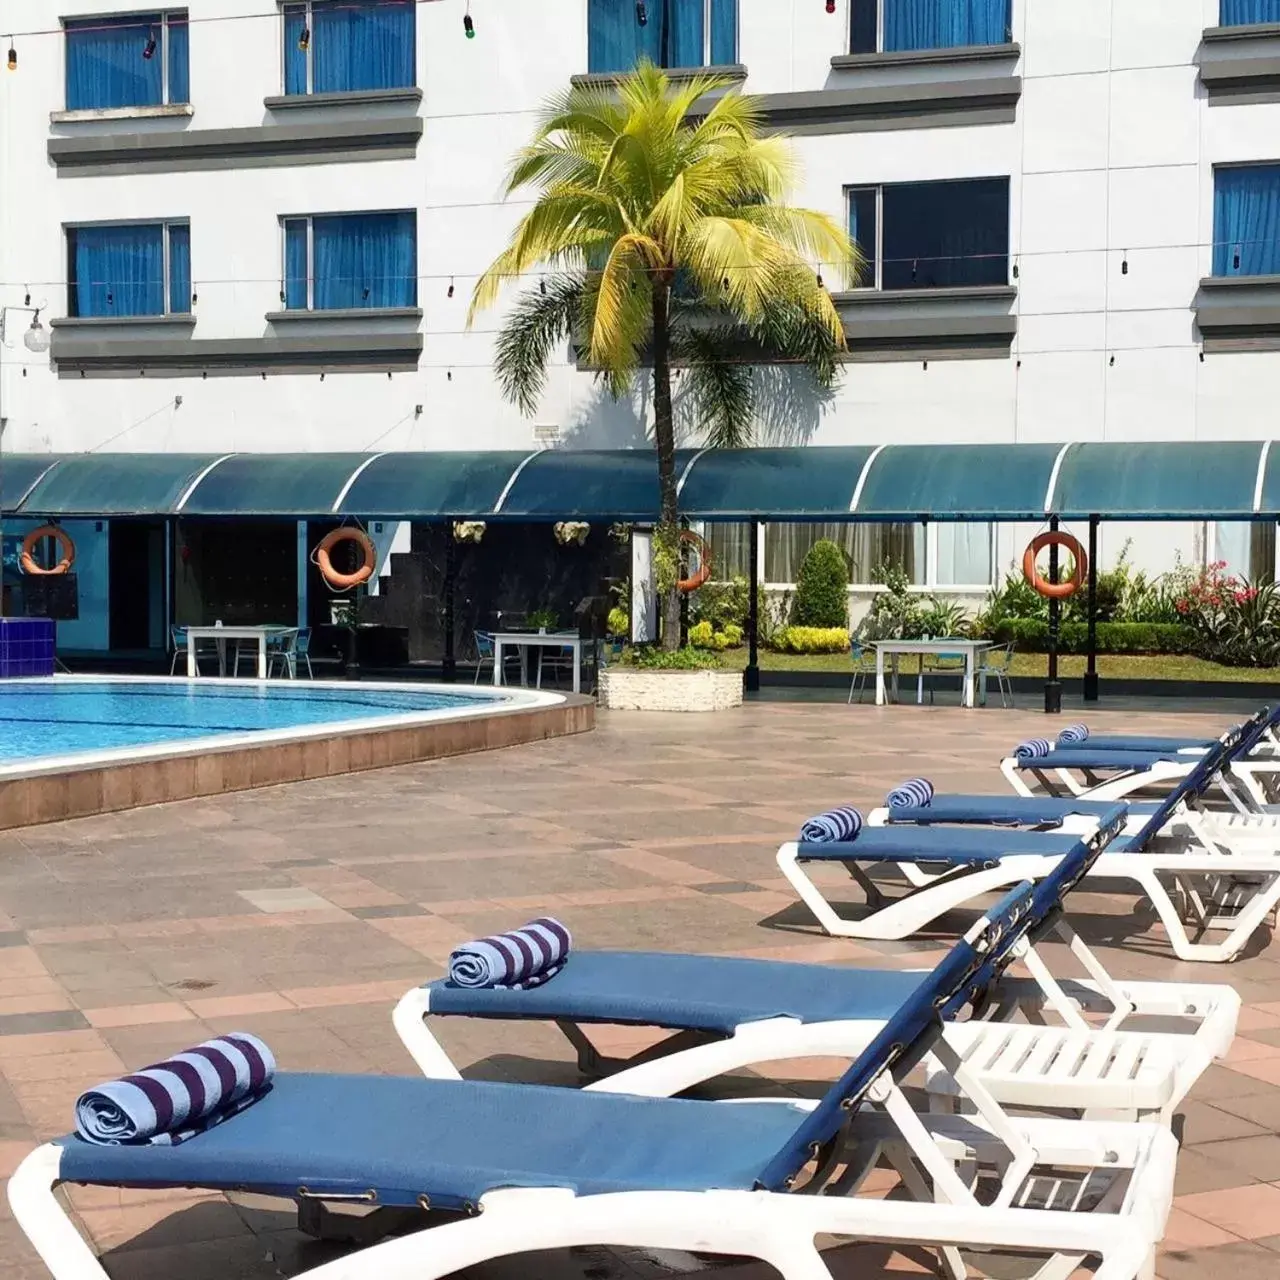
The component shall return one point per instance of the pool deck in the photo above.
(302, 912)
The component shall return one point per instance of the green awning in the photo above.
(431, 486)
(590, 484)
(1183, 480)
(19, 473)
(809, 483)
(115, 484)
(1269, 495)
(944, 482)
(275, 484)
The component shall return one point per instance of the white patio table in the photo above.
(222, 634)
(942, 647)
(523, 641)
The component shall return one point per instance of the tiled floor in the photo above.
(303, 912)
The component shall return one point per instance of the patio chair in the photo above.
(934, 666)
(281, 655)
(484, 654)
(517, 1168)
(864, 668)
(724, 1013)
(996, 664)
(178, 640)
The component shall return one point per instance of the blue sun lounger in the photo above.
(518, 1168)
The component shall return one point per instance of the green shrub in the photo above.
(1031, 635)
(732, 635)
(896, 612)
(722, 603)
(812, 640)
(619, 622)
(941, 619)
(822, 589)
(653, 658)
(701, 635)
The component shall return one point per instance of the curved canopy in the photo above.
(797, 483)
(285, 484)
(431, 486)
(112, 484)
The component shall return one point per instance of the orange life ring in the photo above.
(1055, 590)
(703, 572)
(67, 547)
(369, 556)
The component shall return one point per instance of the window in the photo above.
(866, 546)
(891, 26)
(672, 33)
(730, 550)
(342, 46)
(349, 261)
(1248, 547)
(1246, 221)
(963, 557)
(1240, 13)
(929, 235)
(127, 60)
(129, 269)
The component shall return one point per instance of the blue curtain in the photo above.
(1239, 13)
(179, 59)
(363, 44)
(943, 234)
(684, 36)
(1246, 221)
(944, 24)
(365, 260)
(295, 59)
(862, 231)
(117, 270)
(675, 34)
(179, 268)
(724, 32)
(105, 66)
(295, 264)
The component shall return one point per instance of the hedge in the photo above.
(1031, 635)
(811, 640)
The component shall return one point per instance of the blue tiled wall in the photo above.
(26, 647)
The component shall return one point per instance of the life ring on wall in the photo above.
(65, 545)
(1055, 590)
(703, 573)
(368, 554)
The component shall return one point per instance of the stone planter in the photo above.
(636, 689)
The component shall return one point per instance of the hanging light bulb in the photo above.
(642, 13)
(831, 6)
(542, 286)
(450, 293)
(468, 26)
(36, 337)
(13, 56)
(26, 300)
(149, 49)
(820, 284)
(304, 40)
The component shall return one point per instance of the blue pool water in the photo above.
(53, 718)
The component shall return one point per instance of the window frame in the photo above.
(282, 222)
(308, 8)
(122, 19)
(877, 261)
(165, 224)
(706, 39)
(879, 4)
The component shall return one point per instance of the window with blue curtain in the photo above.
(129, 269)
(863, 216)
(127, 60)
(351, 261)
(343, 46)
(1243, 13)
(1246, 220)
(892, 26)
(674, 33)
(944, 234)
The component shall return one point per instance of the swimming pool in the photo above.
(80, 716)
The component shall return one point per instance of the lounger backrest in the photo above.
(962, 976)
(1071, 869)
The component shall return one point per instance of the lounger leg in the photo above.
(409, 1020)
(45, 1223)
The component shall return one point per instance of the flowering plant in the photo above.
(568, 531)
(468, 530)
(1238, 622)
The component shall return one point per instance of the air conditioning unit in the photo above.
(547, 437)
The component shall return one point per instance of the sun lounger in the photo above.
(517, 1168)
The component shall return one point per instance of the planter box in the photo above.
(635, 689)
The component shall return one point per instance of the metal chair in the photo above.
(178, 639)
(282, 653)
(864, 668)
(302, 651)
(998, 663)
(484, 653)
(940, 664)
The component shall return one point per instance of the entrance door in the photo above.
(135, 569)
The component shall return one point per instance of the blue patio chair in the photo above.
(484, 654)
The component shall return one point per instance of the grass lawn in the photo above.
(1115, 666)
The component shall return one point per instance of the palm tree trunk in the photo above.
(665, 441)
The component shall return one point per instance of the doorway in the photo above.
(135, 590)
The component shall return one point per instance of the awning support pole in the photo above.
(1053, 686)
(1091, 667)
(449, 667)
(751, 676)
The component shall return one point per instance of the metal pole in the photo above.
(1091, 667)
(1053, 687)
(751, 677)
(449, 668)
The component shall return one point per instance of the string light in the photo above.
(468, 24)
(13, 56)
(642, 14)
(831, 6)
(149, 49)
(450, 293)
(304, 39)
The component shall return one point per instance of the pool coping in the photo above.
(54, 788)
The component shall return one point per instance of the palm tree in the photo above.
(668, 240)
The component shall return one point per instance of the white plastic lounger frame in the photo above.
(779, 1229)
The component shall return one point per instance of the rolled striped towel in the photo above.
(1073, 735)
(836, 825)
(1033, 748)
(515, 961)
(174, 1100)
(915, 793)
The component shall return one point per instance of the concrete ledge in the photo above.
(913, 324)
(345, 315)
(97, 115)
(638, 689)
(171, 151)
(356, 98)
(607, 79)
(80, 793)
(186, 321)
(82, 356)
(960, 55)
(1239, 313)
(1240, 65)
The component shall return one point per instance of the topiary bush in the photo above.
(812, 640)
(822, 590)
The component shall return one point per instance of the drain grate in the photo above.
(191, 984)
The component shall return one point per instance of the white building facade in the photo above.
(256, 227)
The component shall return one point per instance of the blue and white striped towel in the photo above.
(836, 825)
(174, 1100)
(1033, 748)
(1073, 735)
(915, 793)
(514, 961)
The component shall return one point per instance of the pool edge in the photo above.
(83, 791)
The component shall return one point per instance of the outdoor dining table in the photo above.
(222, 634)
(944, 647)
(523, 641)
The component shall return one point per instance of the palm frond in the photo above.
(717, 388)
(537, 324)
